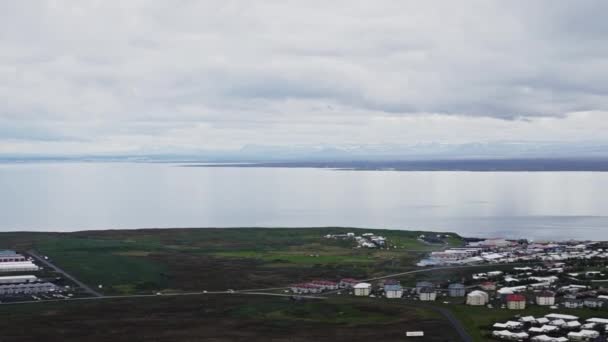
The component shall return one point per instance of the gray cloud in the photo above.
(103, 71)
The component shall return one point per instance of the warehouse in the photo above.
(22, 266)
(10, 256)
(18, 279)
(12, 289)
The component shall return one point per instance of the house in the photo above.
(456, 290)
(347, 283)
(422, 284)
(594, 303)
(572, 325)
(477, 298)
(544, 329)
(545, 338)
(567, 318)
(516, 302)
(362, 289)
(304, 288)
(392, 289)
(573, 303)
(545, 298)
(488, 286)
(583, 335)
(507, 335)
(325, 284)
(427, 294)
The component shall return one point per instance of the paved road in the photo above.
(462, 332)
(260, 292)
(176, 294)
(86, 288)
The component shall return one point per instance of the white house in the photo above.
(545, 298)
(362, 289)
(477, 298)
(427, 294)
(583, 335)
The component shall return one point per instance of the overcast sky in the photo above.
(121, 76)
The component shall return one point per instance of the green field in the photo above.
(144, 261)
(218, 318)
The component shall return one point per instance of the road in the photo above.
(454, 322)
(45, 262)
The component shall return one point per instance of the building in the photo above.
(325, 285)
(18, 279)
(11, 256)
(392, 289)
(512, 336)
(583, 335)
(594, 303)
(304, 288)
(25, 289)
(423, 284)
(488, 286)
(20, 266)
(347, 283)
(516, 302)
(456, 290)
(427, 294)
(362, 289)
(545, 298)
(545, 338)
(477, 298)
(572, 303)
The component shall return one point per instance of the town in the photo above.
(558, 275)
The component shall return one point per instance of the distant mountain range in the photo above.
(349, 153)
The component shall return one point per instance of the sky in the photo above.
(103, 77)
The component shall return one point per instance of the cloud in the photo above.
(141, 72)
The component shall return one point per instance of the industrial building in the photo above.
(20, 279)
(11, 256)
(21, 266)
(15, 289)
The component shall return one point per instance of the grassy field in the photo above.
(141, 261)
(219, 318)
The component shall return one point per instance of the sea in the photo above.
(72, 196)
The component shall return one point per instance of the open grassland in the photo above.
(219, 318)
(141, 261)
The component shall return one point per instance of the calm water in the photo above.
(73, 196)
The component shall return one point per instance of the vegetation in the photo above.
(219, 318)
(143, 261)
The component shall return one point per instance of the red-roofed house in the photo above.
(516, 302)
